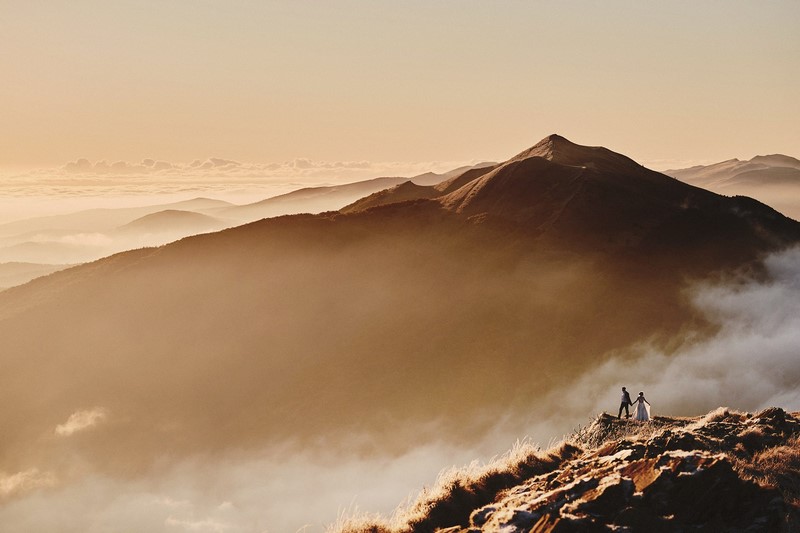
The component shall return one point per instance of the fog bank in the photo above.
(751, 362)
(275, 491)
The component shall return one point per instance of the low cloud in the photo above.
(81, 421)
(21, 482)
(85, 239)
(750, 363)
(278, 490)
(221, 167)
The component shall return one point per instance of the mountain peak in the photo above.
(555, 139)
(777, 160)
(547, 148)
(561, 150)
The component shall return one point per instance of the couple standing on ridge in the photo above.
(642, 411)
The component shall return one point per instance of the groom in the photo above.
(626, 401)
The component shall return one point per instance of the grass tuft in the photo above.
(778, 467)
(457, 492)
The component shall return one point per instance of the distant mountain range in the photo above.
(773, 179)
(89, 235)
(442, 309)
(331, 198)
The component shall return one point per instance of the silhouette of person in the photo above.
(624, 403)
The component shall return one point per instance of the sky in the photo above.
(667, 83)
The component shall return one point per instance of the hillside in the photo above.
(397, 324)
(773, 179)
(562, 192)
(720, 174)
(726, 471)
(333, 197)
(12, 274)
(173, 221)
(100, 220)
(91, 234)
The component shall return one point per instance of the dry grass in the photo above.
(457, 492)
(721, 414)
(606, 428)
(752, 439)
(718, 415)
(778, 467)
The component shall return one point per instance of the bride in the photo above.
(642, 411)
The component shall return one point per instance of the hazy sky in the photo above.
(406, 80)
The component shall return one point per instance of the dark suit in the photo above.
(626, 401)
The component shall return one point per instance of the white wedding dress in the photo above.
(642, 411)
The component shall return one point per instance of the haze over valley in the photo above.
(773, 179)
(334, 334)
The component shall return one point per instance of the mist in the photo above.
(209, 482)
(272, 374)
(750, 362)
(275, 490)
(784, 198)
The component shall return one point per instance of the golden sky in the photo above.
(664, 82)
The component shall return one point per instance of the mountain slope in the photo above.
(331, 198)
(89, 235)
(773, 179)
(435, 314)
(399, 193)
(99, 220)
(609, 202)
(726, 471)
(310, 199)
(422, 191)
(563, 192)
(12, 274)
(173, 221)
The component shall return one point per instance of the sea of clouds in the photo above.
(750, 362)
(84, 184)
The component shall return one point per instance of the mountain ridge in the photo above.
(773, 179)
(557, 187)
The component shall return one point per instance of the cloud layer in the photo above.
(216, 166)
(751, 362)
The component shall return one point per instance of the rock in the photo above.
(691, 475)
(482, 515)
(697, 488)
(556, 524)
(612, 493)
(642, 473)
(637, 519)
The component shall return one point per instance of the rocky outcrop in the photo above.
(686, 474)
(726, 471)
